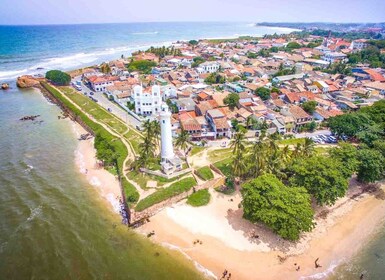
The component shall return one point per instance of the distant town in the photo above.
(278, 84)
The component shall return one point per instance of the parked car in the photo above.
(91, 93)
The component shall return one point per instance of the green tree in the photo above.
(231, 100)
(309, 106)
(287, 211)
(193, 42)
(321, 176)
(347, 154)
(197, 61)
(142, 66)
(105, 68)
(263, 93)
(58, 77)
(349, 124)
(215, 78)
(238, 142)
(182, 141)
(293, 45)
(371, 167)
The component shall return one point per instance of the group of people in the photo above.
(198, 242)
(226, 273)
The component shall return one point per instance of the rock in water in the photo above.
(27, 81)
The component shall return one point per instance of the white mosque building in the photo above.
(169, 161)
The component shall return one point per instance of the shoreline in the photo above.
(353, 221)
(104, 182)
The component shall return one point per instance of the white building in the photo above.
(169, 161)
(147, 103)
(168, 91)
(208, 67)
(358, 44)
(332, 57)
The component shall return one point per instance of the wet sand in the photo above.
(106, 183)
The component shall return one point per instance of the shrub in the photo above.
(199, 198)
(58, 77)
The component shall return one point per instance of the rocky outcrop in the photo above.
(28, 81)
(4, 86)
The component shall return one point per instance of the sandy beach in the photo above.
(227, 241)
(105, 183)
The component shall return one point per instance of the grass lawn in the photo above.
(196, 149)
(132, 195)
(94, 109)
(199, 198)
(142, 178)
(224, 166)
(293, 141)
(163, 194)
(134, 138)
(205, 173)
(220, 154)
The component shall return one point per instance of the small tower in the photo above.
(167, 150)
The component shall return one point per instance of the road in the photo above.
(315, 133)
(107, 104)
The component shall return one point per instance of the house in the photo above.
(358, 44)
(100, 83)
(208, 67)
(324, 87)
(332, 57)
(301, 118)
(185, 104)
(376, 86)
(321, 114)
(218, 123)
(147, 102)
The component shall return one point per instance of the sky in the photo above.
(113, 11)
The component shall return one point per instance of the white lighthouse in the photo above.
(167, 150)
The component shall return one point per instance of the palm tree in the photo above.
(238, 142)
(182, 141)
(238, 165)
(307, 148)
(155, 132)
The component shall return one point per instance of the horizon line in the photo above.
(193, 21)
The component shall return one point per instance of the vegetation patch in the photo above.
(115, 147)
(199, 198)
(166, 193)
(225, 166)
(205, 173)
(228, 188)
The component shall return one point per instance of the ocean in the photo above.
(36, 49)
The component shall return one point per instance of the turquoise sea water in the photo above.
(27, 49)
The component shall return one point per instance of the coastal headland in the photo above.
(216, 235)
